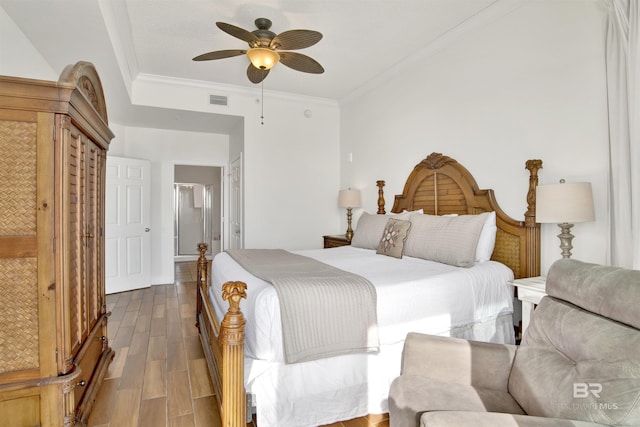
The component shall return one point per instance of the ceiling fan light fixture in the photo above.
(267, 48)
(263, 58)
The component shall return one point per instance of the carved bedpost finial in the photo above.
(202, 263)
(381, 210)
(232, 325)
(202, 248)
(234, 292)
(533, 166)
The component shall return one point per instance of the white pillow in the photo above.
(446, 239)
(417, 212)
(487, 239)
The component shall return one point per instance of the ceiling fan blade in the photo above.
(219, 54)
(256, 75)
(301, 62)
(237, 32)
(295, 39)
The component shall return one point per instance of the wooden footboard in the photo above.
(223, 344)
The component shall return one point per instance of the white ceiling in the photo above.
(363, 40)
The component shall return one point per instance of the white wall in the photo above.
(528, 84)
(291, 162)
(292, 175)
(164, 149)
(14, 44)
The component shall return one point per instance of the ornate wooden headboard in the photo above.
(440, 185)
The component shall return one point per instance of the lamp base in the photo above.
(565, 239)
(349, 233)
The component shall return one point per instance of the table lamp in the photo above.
(349, 199)
(565, 204)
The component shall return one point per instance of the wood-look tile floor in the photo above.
(159, 374)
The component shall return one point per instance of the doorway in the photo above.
(198, 215)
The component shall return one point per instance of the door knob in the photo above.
(147, 230)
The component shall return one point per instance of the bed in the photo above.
(239, 313)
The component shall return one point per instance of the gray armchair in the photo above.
(578, 364)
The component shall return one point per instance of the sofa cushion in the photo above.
(493, 419)
(612, 292)
(411, 395)
(577, 365)
(474, 363)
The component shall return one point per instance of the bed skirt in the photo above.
(347, 387)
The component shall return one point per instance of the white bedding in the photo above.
(413, 295)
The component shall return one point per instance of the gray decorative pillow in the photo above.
(370, 226)
(393, 238)
(446, 239)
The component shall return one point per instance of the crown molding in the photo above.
(230, 90)
(116, 20)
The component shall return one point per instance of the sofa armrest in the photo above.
(492, 419)
(479, 364)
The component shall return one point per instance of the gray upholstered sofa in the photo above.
(578, 364)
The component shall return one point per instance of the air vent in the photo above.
(217, 100)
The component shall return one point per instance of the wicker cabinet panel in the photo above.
(17, 170)
(19, 322)
(53, 321)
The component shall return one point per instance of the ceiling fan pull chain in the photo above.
(262, 104)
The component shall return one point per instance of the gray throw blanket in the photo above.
(325, 311)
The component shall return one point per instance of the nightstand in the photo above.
(335, 241)
(530, 291)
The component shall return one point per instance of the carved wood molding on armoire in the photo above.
(54, 350)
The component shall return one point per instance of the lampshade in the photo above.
(263, 58)
(564, 203)
(349, 198)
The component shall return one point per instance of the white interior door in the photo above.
(235, 205)
(127, 217)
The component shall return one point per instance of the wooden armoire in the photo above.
(54, 350)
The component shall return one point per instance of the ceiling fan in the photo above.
(266, 49)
